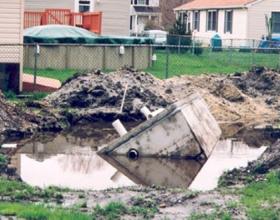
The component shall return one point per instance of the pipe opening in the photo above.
(133, 154)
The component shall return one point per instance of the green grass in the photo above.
(115, 210)
(40, 212)
(3, 161)
(262, 198)
(16, 190)
(221, 215)
(188, 64)
(30, 96)
(210, 62)
(60, 75)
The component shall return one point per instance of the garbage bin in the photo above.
(216, 43)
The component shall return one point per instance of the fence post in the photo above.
(193, 46)
(253, 55)
(104, 58)
(278, 68)
(167, 63)
(179, 48)
(36, 54)
(230, 51)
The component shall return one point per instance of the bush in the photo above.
(178, 36)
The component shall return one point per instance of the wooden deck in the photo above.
(91, 21)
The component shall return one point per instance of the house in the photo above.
(243, 21)
(11, 30)
(115, 14)
(141, 12)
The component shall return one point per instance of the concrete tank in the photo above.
(184, 129)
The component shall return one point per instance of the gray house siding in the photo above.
(256, 17)
(41, 5)
(116, 16)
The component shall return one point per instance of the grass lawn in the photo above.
(210, 62)
(40, 212)
(186, 63)
(262, 199)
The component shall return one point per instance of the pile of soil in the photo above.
(13, 120)
(18, 122)
(100, 95)
(233, 109)
(260, 82)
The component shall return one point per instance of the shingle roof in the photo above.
(211, 4)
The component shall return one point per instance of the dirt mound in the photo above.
(98, 96)
(232, 108)
(261, 82)
(13, 120)
(103, 93)
(19, 121)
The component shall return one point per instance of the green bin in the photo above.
(216, 43)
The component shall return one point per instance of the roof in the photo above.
(213, 4)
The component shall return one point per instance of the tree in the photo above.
(167, 11)
(268, 24)
(178, 28)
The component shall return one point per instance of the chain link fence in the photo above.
(58, 62)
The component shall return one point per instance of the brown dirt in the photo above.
(96, 96)
(14, 120)
(18, 122)
(233, 109)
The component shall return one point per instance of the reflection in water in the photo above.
(70, 160)
(227, 155)
(83, 175)
(157, 171)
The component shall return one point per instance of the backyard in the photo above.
(187, 63)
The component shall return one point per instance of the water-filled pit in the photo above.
(70, 160)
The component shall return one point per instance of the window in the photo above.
(84, 6)
(212, 21)
(275, 22)
(141, 2)
(228, 21)
(196, 20)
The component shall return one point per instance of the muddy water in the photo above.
(70, 160)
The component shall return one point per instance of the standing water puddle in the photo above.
(71, 160)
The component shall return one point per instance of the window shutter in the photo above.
(225, 22)
(231, 24)
(217, 20)
(193, 20)
(198, 27)
(207, 19)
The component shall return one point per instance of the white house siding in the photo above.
(11, 29)
(115, 16)
(154, 3)
(239, 29)
(41, 5)
(256, 15)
